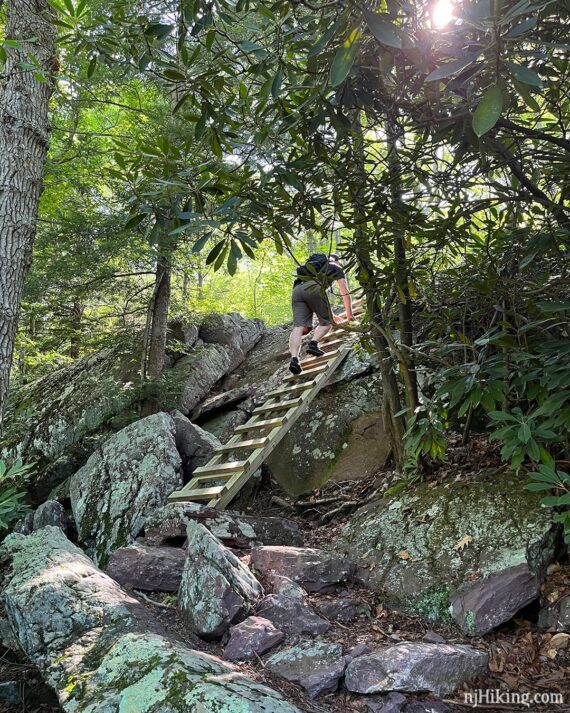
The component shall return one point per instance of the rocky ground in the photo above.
(523, 657)
(356, 595)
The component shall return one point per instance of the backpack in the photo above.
(316, 263)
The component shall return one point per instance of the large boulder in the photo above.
(194, 445)
(236, 334)
(152, 569)
(421, 548)
(235, 530)
(123, 483)
(439, 668)
(59, 420)
(217, 589)
(315, 570)
(100, 650)
(316, 666)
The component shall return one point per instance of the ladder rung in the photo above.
(220, 468)
(282, 406)
(329, 343)
(198, 494)
(210, 478)
(251, 444)
(297, 387)
(316, 370)
(319, 360)
(269, 423)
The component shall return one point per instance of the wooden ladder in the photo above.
(221, 479)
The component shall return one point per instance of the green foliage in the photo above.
(547, 478)
(12, 507)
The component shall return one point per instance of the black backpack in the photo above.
(315, 264)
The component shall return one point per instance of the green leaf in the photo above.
(488, 110)
(344, 59)
(215, 252)
(158, 30)
(525, 75)
(276, 85)
(232, 263)
(382, 30)
(200, 126)
(135, 220)
(201, 242)
(522, 27)
(92, 66)
(524, 433)
(451, 68)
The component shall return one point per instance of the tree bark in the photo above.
(24, 139)
(158, 330)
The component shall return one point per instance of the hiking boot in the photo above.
(294, 366)
(314, 349)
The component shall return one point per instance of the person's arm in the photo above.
(345, 294)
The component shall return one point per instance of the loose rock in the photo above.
(50, 513)
(253, 636)
(316, 666)
(415, 667)
(286, 587)
(480, 606)
(217, 589)
(10, 694)
(556, 616)
(100, 650)
(152, 569)
(343, 610)
(123, 483)
(233, 529)
(393, 702)
(293, 616)
(315, 570)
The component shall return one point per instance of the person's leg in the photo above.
(295, 341)
(321, 331)
(323, 311)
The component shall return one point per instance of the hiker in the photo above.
(309, 298)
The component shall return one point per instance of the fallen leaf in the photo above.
(559, 641)
(463, 543)
(404, 555)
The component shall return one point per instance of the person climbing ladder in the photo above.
(309, 298)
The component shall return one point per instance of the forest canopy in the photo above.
(199, 150)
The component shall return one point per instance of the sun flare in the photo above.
(442, 13)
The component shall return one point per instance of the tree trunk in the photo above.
(158, 331)
(401, 265)
(24, 137)
(76, 329)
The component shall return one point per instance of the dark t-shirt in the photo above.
(327, 275)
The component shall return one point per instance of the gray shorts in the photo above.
(308, 300)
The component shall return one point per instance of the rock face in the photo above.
(341, 438)
(292, 616)
(253, 636)
(195, 445)
(124, 483)
(481, 606)
(317, 667)
(440, 668)
(233, 529)
(420, 548)
(556, 616)
(98, 649)
(315, 570)
(217, 590)
(236, 334)
(77, 407)
(152, 569)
